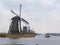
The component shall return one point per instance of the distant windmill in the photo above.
(14, 27)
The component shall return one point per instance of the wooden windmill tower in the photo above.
(15, 26)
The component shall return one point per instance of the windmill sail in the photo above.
(13, 12)
(24, 21)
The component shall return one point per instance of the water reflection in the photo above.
(14, 41)
(10, 41)
(18, 41)
(40, 40)
(11, 44)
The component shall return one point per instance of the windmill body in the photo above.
(14, 25)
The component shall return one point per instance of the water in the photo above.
(39, 39)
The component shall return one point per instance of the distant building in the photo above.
(24, 29)
(54, 34)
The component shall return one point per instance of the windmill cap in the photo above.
(16, 18)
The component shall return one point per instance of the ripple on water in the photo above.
(12, 44)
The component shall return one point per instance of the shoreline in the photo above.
(3, 35)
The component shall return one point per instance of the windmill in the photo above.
(15, 27)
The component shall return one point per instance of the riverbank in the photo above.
(16, 35)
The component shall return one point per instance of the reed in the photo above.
(16, 35)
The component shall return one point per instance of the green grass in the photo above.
(16, 35)
(3, 35)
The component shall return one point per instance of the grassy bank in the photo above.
(16, 35)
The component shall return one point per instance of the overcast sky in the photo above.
(43, 15)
